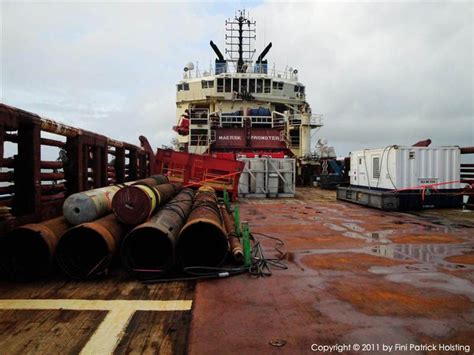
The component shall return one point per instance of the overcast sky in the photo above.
(380, 73)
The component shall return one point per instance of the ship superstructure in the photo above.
(241, 105)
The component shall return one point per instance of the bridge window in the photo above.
(207, 84)
(268, 86)
(243, 85)
(252, 85)
(259, 86)
(180, 87)
(277, 85)
(228, 85)
(220, 85)
(186, 86)
(235, 85)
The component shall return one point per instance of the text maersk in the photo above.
(255, 138)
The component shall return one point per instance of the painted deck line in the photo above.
(110, 331)
(96, 305)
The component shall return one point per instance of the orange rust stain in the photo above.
(462, 259)
(426, 239)
(384, 298)
(348, 261)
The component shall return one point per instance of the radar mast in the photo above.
(238, 39)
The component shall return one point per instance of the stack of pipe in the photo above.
(150, 247)
(203, 239)
(235, 246)
(136, 203)
(28, 252)
(86, 251)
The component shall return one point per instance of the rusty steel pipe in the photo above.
(52, 143)
(235, 246)
(467, 150)
(56, 164)
(5, 190)
(7, 162)
(28, 252)
(52, 188)
(86, 251)
(151, 246)
(136, 203)
(203, 239)
(51, 176)
(423, 143)
(55, 197)
(6, 176)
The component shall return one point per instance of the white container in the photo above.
(397, 167)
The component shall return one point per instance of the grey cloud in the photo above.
(381, 73)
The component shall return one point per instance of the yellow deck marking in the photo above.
(109, 332)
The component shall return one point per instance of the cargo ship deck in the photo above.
(355, 276)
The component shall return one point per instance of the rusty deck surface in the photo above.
(355, 276)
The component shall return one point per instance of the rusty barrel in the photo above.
(136, 203)
(86, 251)
(235, 246)
(203, 239)
(150, 247)
(27, 252)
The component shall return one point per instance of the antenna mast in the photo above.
(240, 32)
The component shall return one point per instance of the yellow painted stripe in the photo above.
(96, 305)
(108, 334)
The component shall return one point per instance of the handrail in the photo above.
(287, 74)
